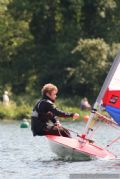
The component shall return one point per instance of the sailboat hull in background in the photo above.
(77, 149)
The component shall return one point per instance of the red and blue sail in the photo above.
(109, 95)
(111, 99)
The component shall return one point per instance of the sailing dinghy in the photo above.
(82, 147)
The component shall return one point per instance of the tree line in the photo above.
(70, 43)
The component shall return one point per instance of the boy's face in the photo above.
(52, 95)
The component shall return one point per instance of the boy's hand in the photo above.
(75, 116)
(58, 124)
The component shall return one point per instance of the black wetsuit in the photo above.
(45, 111)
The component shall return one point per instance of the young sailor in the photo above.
(44, 119)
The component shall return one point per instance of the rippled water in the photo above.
(23, 156)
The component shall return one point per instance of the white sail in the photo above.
(112, 81)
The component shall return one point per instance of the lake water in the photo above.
(23, 156)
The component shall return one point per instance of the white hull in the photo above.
(77, 149)
(68, 153)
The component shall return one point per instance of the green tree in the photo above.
(101, 19)
(55, 26)
(37, 37)
(89, 73)
(14, 35)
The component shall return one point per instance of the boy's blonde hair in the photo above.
(48, 88)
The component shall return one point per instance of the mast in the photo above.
(103, 89)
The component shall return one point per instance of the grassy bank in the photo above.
(15, 112)
(21, 107)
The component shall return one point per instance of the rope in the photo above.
(113, 141)
(91, 136)
(69, 130)
(59, 131)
